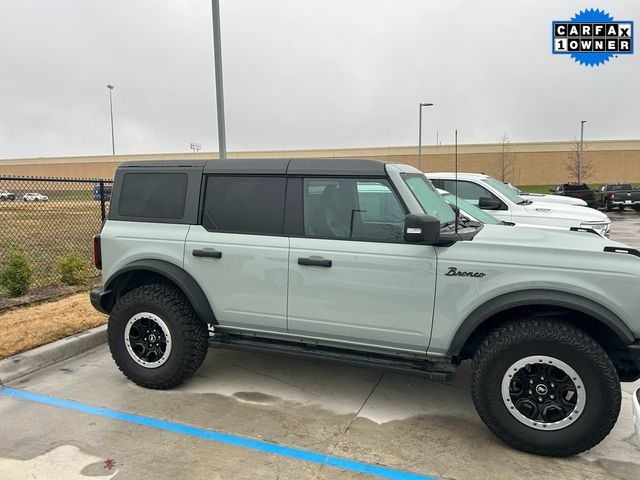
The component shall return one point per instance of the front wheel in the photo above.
(155, 337)
(545, 387)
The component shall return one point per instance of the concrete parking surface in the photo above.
(313, 414)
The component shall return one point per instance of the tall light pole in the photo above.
(113, 142)
(217, 63)
(420, 133)
(581, 155)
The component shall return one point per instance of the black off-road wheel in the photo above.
(155, 337)
(545, 387)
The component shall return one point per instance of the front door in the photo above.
(351, 277)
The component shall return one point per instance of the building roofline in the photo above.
(335, 153)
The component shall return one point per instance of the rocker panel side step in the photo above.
(443, 372)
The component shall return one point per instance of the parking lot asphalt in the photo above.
(262, 416)
(625, 227)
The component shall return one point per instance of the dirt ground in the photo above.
(47, 230)
(28, 327)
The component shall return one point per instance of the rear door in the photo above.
(351, 277)
(239, 253)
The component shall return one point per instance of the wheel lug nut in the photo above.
(530, 392)
(540, 399)
(553, 386)
(542, 378)
(551, 397)
(531, 382)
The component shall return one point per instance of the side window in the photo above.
(378, 203)
(438, 183)
(471, 192)
(244, 204)
(153, 195)
(348, 208)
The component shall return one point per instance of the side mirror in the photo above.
(421, 228)
(490, 203)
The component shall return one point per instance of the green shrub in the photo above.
(16, 272)
(72, 268)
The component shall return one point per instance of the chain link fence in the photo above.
(48, 218)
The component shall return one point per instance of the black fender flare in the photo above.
(535, 298)
(185, 282)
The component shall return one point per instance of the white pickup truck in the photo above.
(505, 204)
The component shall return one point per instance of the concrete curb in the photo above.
(30, 361)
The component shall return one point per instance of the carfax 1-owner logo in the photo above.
(592, 37)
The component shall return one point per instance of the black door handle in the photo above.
(207, 253)
(315, 262)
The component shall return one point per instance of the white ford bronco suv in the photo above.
(364, 262)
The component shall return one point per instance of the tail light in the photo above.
(97, 252)
(613, 196)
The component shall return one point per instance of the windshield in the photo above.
(477, 213)
(428, 197)
(515, 189)
(504, 190)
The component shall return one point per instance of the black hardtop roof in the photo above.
(272, 166)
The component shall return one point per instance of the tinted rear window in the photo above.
(153, 195)
(619, 187)
(251, 204)
(573, 188)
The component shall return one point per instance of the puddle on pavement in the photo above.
(256, 397)
(67, 462)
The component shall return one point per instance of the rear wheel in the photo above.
(155, 337)
(545, 387)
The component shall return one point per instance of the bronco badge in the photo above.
(454, 272)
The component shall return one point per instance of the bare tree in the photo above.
(573, 163)
(504, 165)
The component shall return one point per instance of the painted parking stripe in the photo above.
(305, 455)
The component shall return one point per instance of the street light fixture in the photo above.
(422, 104)
(217, 66)
(581, 155)
(113, 143)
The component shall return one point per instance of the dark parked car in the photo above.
(106, 190)
(617, 195)
(576, 190)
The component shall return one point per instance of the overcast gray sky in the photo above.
(301, 74)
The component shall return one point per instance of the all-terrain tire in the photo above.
(189, 335)
(516, 340)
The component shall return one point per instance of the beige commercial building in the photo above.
(537, 163)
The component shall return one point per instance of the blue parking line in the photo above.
(305, 455)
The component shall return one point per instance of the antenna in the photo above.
(456, 182)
